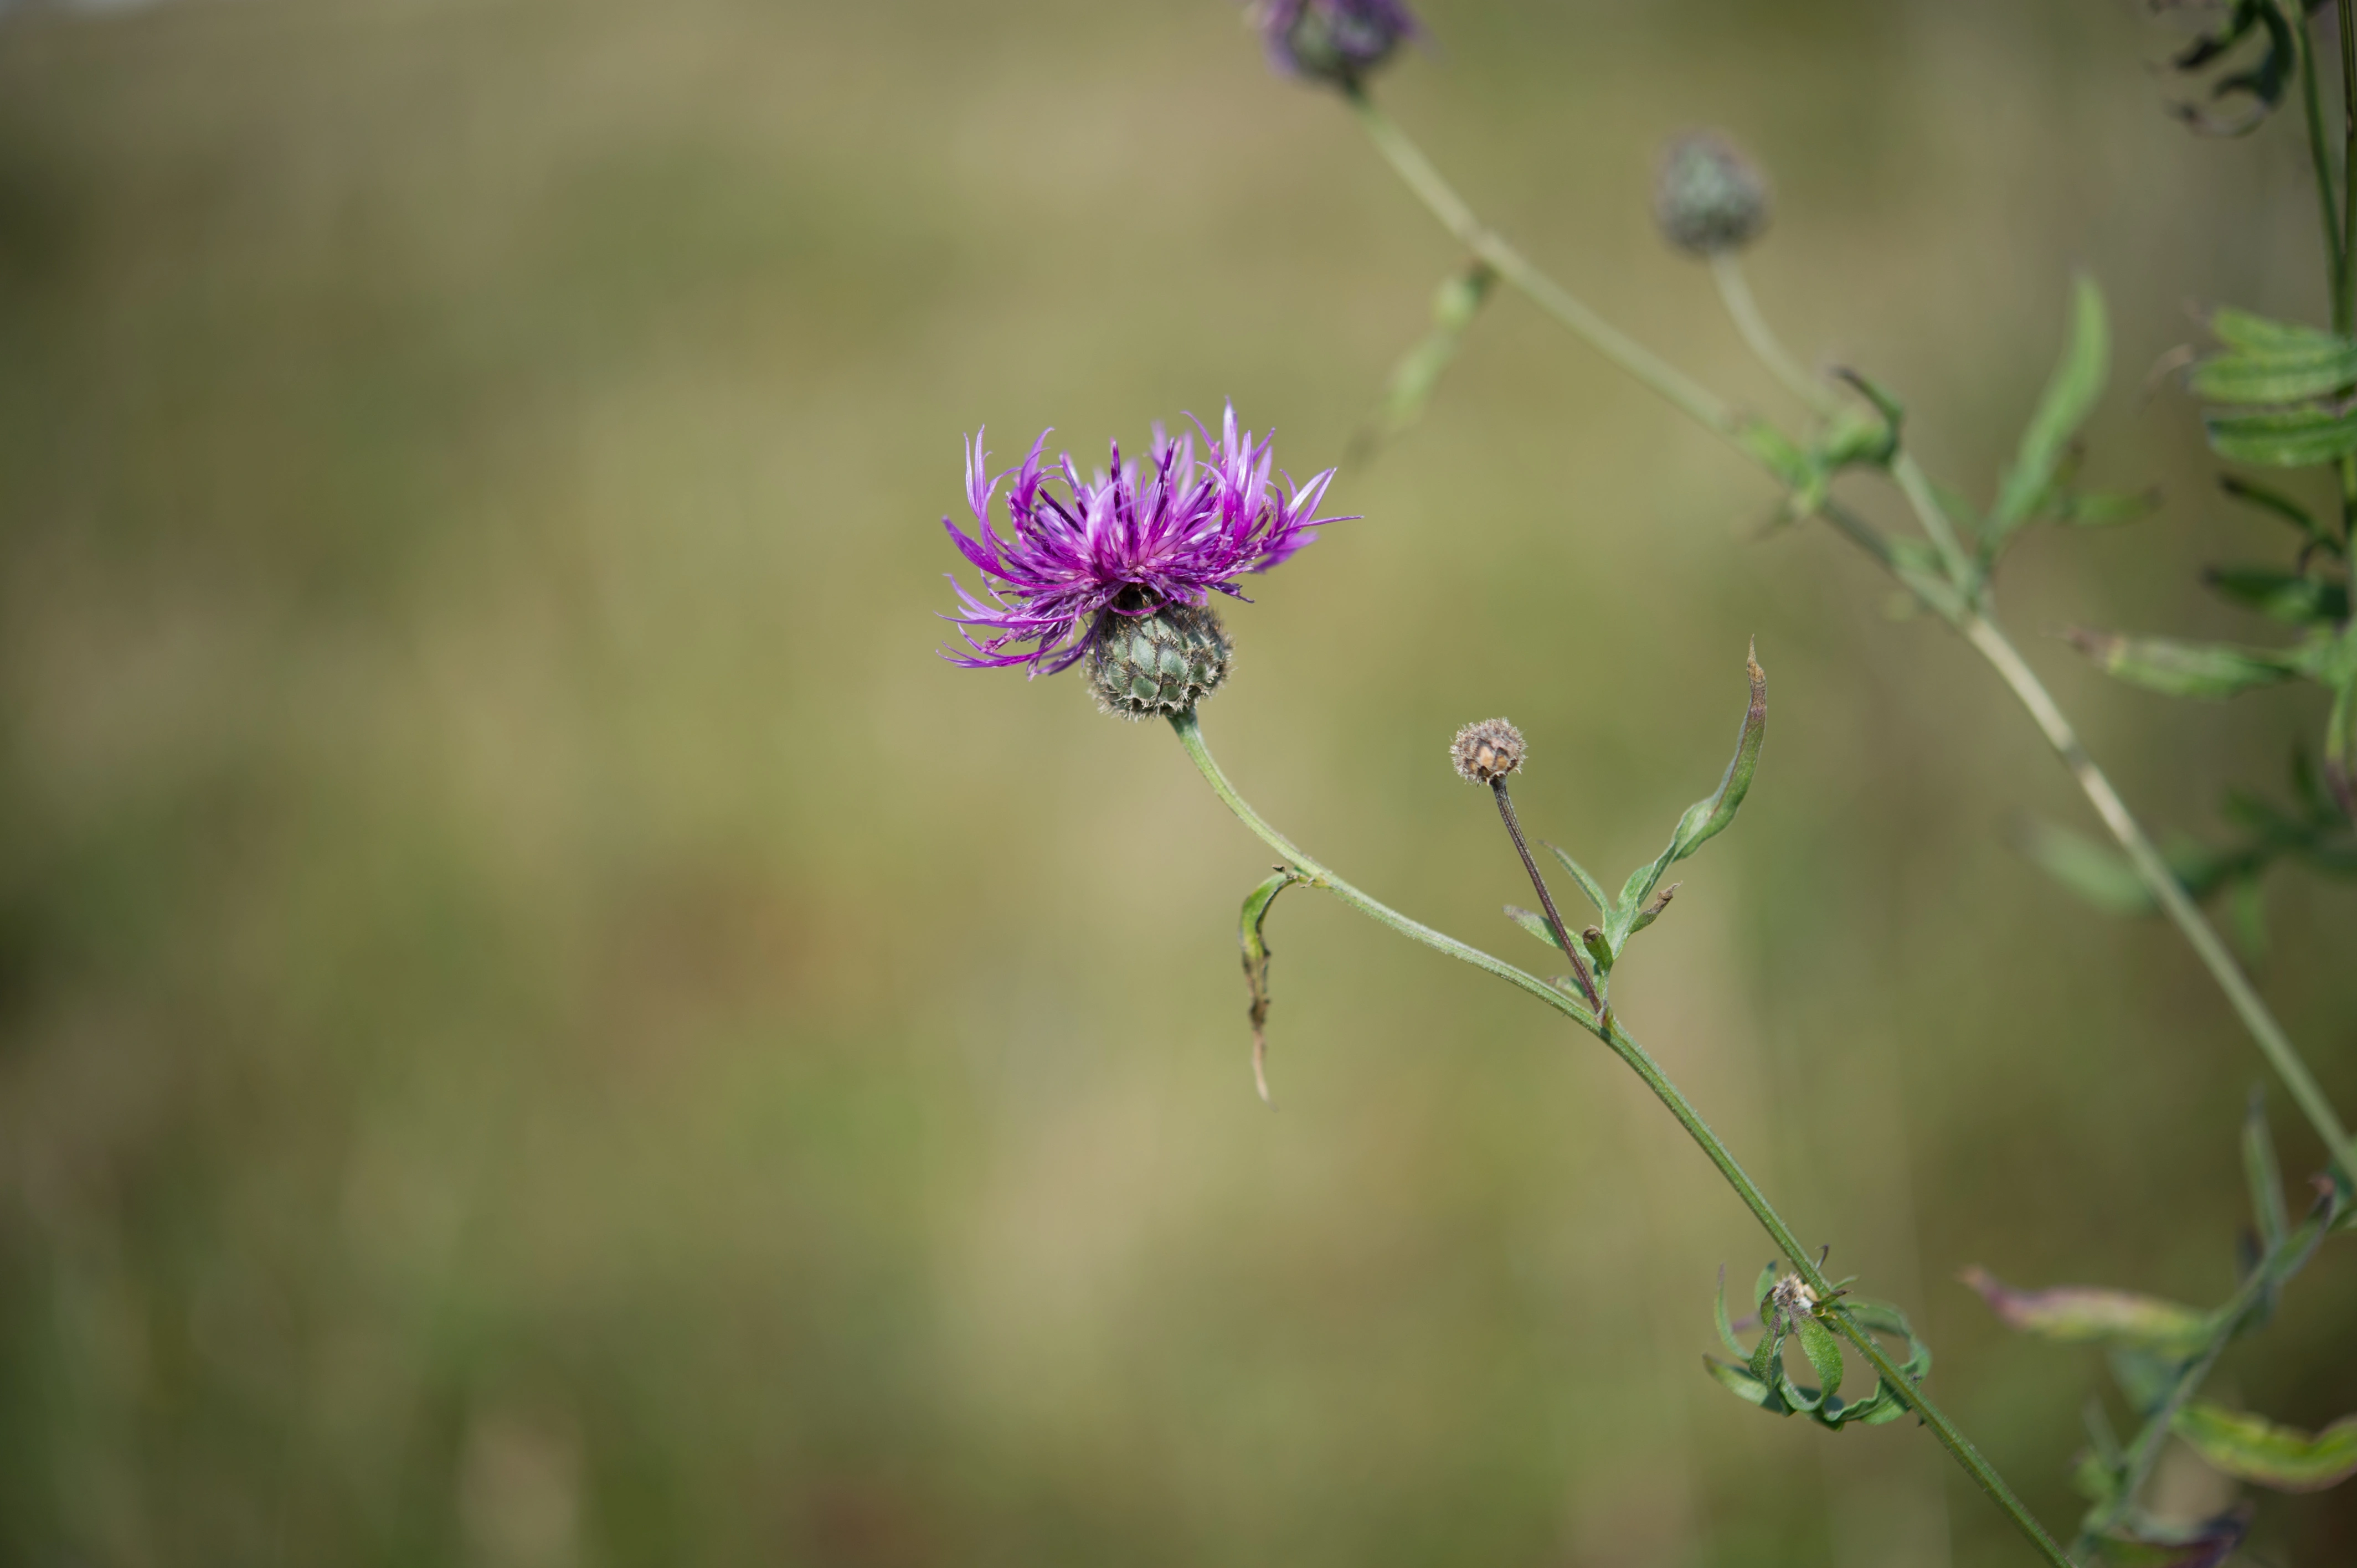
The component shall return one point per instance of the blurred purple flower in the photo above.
(1128, 544)
(1332, 40)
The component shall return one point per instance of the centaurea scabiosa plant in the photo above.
(1110, 572)
(2286, 397)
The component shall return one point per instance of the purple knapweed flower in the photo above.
(1126, 545)
(1332, 40)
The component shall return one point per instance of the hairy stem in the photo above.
(1546, 899)
(1624, 1046)
(1955, 598)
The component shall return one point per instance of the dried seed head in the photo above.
(1791, 1296)
(1162, 664)
(1486, 752)
(1709, 197)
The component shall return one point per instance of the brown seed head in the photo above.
(1486, 752)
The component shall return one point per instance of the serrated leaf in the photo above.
(2282, 437)
(1253, 939)
(2283, 1459)
(2086, 1314)
(2072, 393)
(1706, 818)
(1588, 885)
(1824, 1351)
(2175, 668)
(2288, 597)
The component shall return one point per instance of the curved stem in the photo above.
(1624, 1046)
(1546, 901)
(1955, 599)
(2320, 157)
(1734, 293)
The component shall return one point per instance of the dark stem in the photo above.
(2344, 300)
(1546, 899)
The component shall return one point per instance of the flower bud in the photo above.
(1162, 663)
(1486, 752)
(1709, 197)
(1332, 40)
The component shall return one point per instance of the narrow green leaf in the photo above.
(1726, 1330)
(2071, 395)
(2288, 597)
(2175, 668)
(2276, 503)
(2283, 437)
(1739, 1382)
(2258, 335)
(2150, 1543)
(1253, 941)
(1588, 884)
(1535, 923)
(1706, 818)
(2261, 1174)
(2253, 1448)
(1454, 304)
(1824, 1351)
(2083, 1315)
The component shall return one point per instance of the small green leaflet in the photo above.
(2253, 1448)
(2283, 437)
(2272, 362)
(2175, 669)
(1253, 941)
(2070, 396)
(2080, 1314)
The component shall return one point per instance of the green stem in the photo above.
(1955, 599)
(1734, 293)
(1624, 1046)
(1615, 345)
(2320, 156)
(1993, 645)
(2344, 302)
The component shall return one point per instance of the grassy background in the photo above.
(541, 1025)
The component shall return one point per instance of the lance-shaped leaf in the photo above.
(2283, 437)
(1824, 1351)
(1588, 884)
(2097, 873)
(1534, 922)
(2290, 596)
(2083, 1315)
(2070, 396)
(1454, 304)
(2253, 1448)
(2272, 361)
(1706, 818)
(1254, 940)
(2277, 504)
(2175, 668)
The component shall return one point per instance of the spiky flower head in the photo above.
(1086, 557)
(1332, 40)
(1486, 752)
(1709, 197)
(1159, 664)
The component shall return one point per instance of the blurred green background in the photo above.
(543, 1025)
